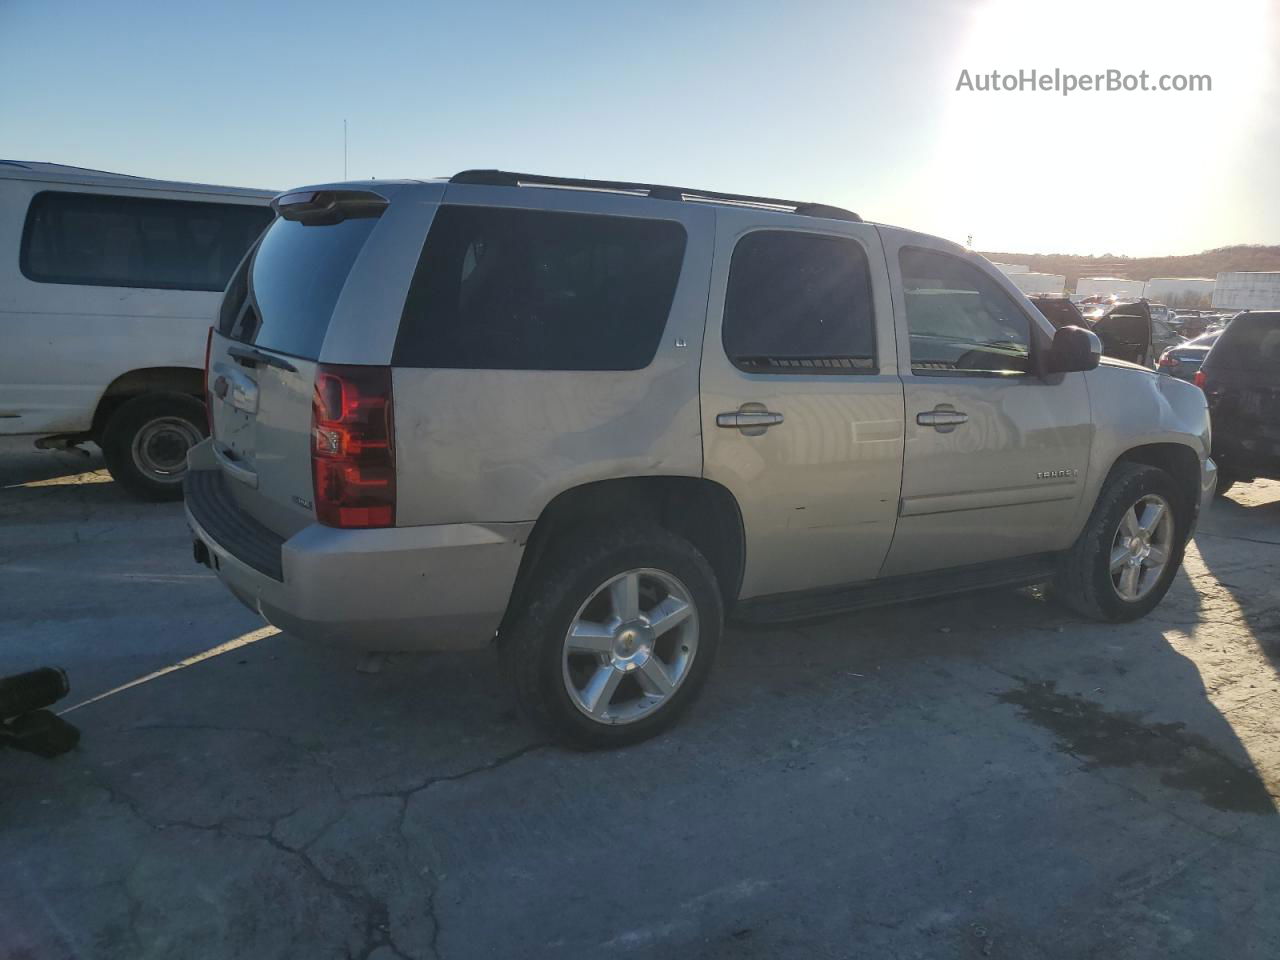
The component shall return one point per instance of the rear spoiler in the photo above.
(326, 207)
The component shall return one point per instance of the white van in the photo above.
(108, 287)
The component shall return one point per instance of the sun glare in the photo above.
(1132, 172)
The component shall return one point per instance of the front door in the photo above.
(995, 456)
(801, 402)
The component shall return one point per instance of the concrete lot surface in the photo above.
(977, 777)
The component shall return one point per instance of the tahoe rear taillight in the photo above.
(1199, 379)
(353, 464)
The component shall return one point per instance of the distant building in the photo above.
(1247, 291)
(1109, 287)
(1180, 291)
(1030, 283)
(1009, 269)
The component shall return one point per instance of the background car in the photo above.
(1241, 381)
(1059, 311)
(1184, 360)
(1129, 332)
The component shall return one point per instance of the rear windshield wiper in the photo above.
(252, 356)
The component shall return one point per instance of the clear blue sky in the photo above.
(844, 102)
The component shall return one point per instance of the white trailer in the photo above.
(1030, 283)
(1009, 269)
(1248, 291)
(1180, 291)
(1109, 287)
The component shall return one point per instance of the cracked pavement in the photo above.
(977, 777)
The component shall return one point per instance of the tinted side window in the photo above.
(960, 320)
(506, 289)
(100, 240)
(799, 303)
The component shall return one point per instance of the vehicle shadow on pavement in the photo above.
(1240, 545)
(991, 776)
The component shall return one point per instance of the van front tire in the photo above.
(145, 443)
(616, 636)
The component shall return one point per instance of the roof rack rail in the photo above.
(504, 178)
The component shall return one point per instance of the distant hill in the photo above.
(1207, 264)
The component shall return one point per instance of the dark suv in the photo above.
(1241, 380)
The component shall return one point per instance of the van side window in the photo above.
(112, 241)
(799, 303)
(507, 289)
(960, 320)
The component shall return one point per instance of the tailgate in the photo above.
(260, 412)
(264, 353)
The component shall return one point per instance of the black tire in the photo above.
(145, 441)
(1084, 578)
(1225, 483)
(532, 639)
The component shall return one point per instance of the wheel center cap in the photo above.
(632, 645)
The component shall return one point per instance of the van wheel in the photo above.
(617, 638)
(1123, 563)
(145, 443)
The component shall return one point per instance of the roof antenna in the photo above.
(344, 148)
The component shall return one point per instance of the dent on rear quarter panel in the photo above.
(1132, 407)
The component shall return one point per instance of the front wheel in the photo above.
(617, 639)
(145, 443)
(1125, 560)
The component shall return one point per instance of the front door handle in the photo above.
(752, 419)
(944, 418)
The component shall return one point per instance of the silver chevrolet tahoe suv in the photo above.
(592, 419)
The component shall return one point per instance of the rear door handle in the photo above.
(944, 418)
(752, 419)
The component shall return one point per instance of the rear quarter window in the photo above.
(508, 289)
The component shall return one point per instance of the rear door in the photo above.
(801, 402)
(287, 308)
(995, 456)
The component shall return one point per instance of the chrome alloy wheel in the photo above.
(630, 646)
(160, 447)
(1141, 547)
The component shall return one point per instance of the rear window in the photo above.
(111, 241)
(1250, 342)
(283, 298)
(507, 289)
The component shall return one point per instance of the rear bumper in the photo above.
(439, 587)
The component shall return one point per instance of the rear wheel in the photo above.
(1124, 561)
(617, 638)
(145, 443)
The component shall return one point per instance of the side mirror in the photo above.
(1074, 349)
